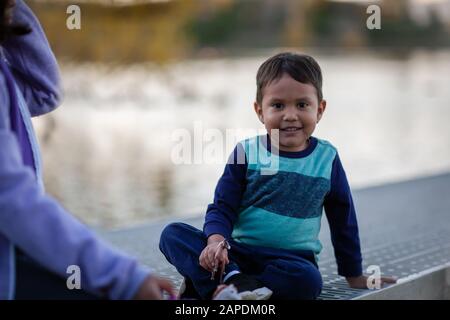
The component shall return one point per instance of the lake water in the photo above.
(107, 150)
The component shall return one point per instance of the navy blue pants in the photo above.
(289, 274)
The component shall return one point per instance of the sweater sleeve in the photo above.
(33, 63)
(341, 217)
(4, 105)
(45, 231)
(223, 212)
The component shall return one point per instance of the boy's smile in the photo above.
(293, 108)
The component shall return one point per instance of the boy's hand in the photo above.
(361, 281)
(214, 255)
(152, 288)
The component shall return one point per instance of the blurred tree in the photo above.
(297, 30)
(135, 33)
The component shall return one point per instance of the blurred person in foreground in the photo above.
(39, 239)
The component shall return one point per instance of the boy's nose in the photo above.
(290, 116)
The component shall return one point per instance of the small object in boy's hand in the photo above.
(213, 272)
(222, 245)
(221, 275)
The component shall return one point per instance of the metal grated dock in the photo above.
(404, 229)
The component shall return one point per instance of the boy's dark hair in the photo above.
(300, 67)
(7, 30)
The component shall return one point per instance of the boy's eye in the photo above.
(277, 105)
(302, 104)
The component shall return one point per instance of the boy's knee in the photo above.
(297, 283)
(172, 232)
(308, 285)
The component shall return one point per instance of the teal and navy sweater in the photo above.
(275, 199)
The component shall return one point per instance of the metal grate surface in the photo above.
(406, 232)
(400, 259)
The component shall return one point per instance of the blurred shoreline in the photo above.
(163, 32)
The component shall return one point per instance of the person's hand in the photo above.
(361, 281)
(214, 256)
(153, 287)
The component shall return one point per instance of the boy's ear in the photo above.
(321, 109)
(258, 110)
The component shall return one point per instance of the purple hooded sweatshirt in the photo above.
(30, 219)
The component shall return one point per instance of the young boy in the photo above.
(262, 229)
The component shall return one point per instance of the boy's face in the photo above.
(291, 107)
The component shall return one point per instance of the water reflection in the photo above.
(107, 149)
